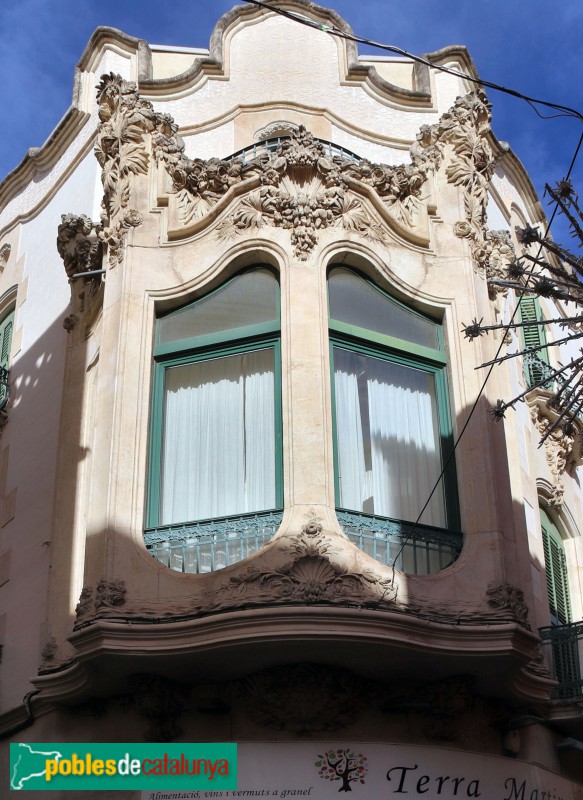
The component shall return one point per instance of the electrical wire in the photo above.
(566, 111)
(334, 31)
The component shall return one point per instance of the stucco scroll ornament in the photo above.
(504, 597)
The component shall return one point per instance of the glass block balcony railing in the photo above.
(269, 146)
(564, 646)
(205, 546)
(415, 549)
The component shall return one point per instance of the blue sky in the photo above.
(533, 46)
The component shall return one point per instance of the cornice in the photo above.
(419, 98)
(261, 625)
(42, 159)
(515, 169)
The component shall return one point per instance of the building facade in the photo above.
(235, 504)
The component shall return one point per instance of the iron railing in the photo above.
(564, 647)
(269, 146)
(536, 370)
(206, 546)
(416, 549)
(4, 386)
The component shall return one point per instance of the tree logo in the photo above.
(342, 765)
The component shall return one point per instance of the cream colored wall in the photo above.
(88, 482)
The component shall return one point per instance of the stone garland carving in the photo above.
(122, 150)
(302, 698)
(109, 595)
(492, 251)
(84, 607)
(4, 255)
(562, 451)
(78, 245)
(303, 188)
(281, 128)
(508, 597)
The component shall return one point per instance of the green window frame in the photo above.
(428, 547)
(533, 337)
(6, 330)
(199, 351)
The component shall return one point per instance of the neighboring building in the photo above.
(225, 414)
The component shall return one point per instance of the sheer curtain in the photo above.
(219, 438)
(387, 438)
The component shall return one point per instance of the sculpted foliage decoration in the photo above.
(506, 596)
(563, 445)
(122, 150)
(305, 186)
(303, 698)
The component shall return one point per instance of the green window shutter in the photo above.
(556, 572)
(533, 336)
(6, 327)
(565, 650)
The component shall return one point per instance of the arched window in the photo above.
(392, 427)
(215, 456)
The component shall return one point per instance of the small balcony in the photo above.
(208, 545)
(563, 646)
(269, 147)
(415, 549)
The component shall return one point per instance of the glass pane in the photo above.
(355, 302)
(388, 440)
(249, 299)
(218, 454)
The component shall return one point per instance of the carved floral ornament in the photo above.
(300, 186)
(563, 446)
(307, 567)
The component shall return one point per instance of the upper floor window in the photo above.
(216, 433)
(562, 634)
(392, 427)
(533, 340)
(6, 328)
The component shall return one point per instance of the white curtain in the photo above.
(219, 438)
(388, 438)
